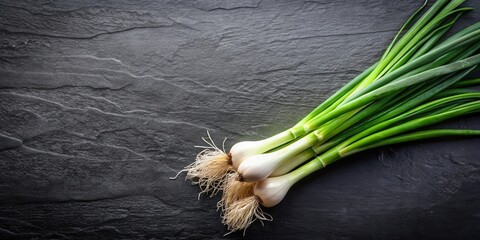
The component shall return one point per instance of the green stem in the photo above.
(414, 98)
(409, 137)
(387, 51)
(454, 91)
(413, 124)
(419, 39)
(467, 83)
(441, 104)
(392, 87)
(337, 96)
(331, 156)
(431, 56)
(424, 21)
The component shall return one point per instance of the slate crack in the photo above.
(256, 5)
(94, 35)
(53, 13)
(330, 35)
(33, 226)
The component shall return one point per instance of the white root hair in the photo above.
(210, 168)
(242, 213)
(234, 190)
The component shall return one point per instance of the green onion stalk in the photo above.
(271, 191)
(414, 53)
(418, 81)
(418, 85)
(385, 104)
(348, 142)
(268, 192)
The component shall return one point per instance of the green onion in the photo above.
(418, 81)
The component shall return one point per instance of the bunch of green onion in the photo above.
(418, 81)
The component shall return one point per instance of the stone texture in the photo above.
(102, 101)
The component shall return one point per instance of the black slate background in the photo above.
(102, 101)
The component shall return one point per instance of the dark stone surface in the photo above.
(102, 101)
